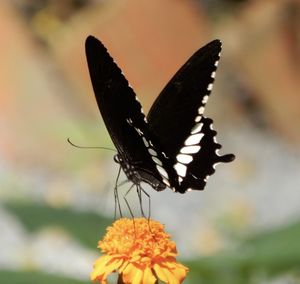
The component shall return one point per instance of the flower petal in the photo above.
(148, 276)
(133, 274)
(137, 277)
(123, 266)
(170, 273)
(112, 267)
(129, 273)
(99, 266)
(179, 271)
(104, 266)
(163, 273)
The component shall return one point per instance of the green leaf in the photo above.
(86, 227)
(30, 277)
(266, 255)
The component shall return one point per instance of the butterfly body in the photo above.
(174, 146)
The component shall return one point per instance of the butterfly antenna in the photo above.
(89, 147)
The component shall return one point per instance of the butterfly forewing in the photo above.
(173, 114)
(122, 114)
(176, 118)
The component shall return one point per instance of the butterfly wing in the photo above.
(122, 114)
(176, 119)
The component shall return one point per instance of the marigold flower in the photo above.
(140, 251)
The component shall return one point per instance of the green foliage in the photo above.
(258, 258)
(24, 277)
(85, 227)
(263, 256)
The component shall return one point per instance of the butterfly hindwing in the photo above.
(203, 160)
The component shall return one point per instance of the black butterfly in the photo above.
(175, 145)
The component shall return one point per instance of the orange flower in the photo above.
(140, 251)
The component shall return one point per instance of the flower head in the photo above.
(140, 251)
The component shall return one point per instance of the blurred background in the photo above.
(56, 200)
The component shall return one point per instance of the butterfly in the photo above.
(173, 146)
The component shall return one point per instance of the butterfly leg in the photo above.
(140, 190)
(149, 208)
(128, 206)
(116, 196)
(126, 201)
(149, 203)
(123, 182)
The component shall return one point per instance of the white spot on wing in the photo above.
(142, 111)
(145, 142)
(152, 152)
(180, 169)
(193, 139)
(213, 74)
(206, 178)
(217, 63)
(201, 110)
(165, 181)
(156, 161)
(164, 154)
(162, 172)
(184, 159)
(205, 99)
(210, 87)
(198, 118)
(137, 99)
(197, 128)
(190, 150)
(214, 165)
(137, 129)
